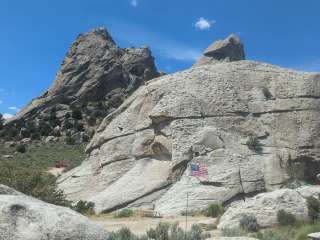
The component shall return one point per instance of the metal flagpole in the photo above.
(187, 211)
(185, 233)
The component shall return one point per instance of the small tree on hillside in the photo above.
(1, 121)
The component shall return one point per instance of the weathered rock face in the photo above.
(250, 123)
(25, 218)
(227, 50)
(265, 207)
(95, 70)
(4, 190)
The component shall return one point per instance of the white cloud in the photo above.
(134, 3)
(7, 115)
(14, 109)
(204, 24)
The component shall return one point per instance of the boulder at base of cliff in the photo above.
(265, 207)
(26, 218)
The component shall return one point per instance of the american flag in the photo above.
(198, 170)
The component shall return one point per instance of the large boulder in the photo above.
(265, 207)
(25, 218)
(4, 190)
(247, 122)
(228, 50)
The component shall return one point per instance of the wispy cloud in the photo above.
(16, 109)
(7, 115)
(204, 24)
(134, 3)
(182, 53)
(160, 45)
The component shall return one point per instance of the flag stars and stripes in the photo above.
(198, 170)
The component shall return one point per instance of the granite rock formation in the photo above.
(26, 218)
(94, 79)
(265, 207)
(250, 123)
(227, 50)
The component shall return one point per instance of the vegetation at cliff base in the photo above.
(27, 171)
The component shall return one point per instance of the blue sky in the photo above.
(35, 34)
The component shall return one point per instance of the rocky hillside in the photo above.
(253, 125)
(95, 78)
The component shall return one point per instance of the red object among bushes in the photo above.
(61, 164)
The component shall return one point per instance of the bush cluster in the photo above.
(43, 126)
(313, 208)
(249, 223)
(166, 231)
(125, 234)
(124, 213)
(21, 148)
(286, 218)
(1, 121)
(296, 232)
(84, 207)
(163, 231)
(214, 210)
(32, 182)
(253, 143)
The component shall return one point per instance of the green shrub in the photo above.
(67, 124)
(234, 232)
(21, 148)
(297, 232)
(45, 129)
(303, 231)
(214, 210)
(78, 126)
(92, 120)
(76, 114)
(313, 208)
(10, 132)
(295, 170)
(53, 120)
(125, 234)
(69, 140)
(249, 223)
(1, 121)
(32, 182)
(253, 143)
(285, 218)
(124, 213)
(166, 231)
(84, 207)
(266, 93)
(163, 231)
(275, 234)
(35, 136)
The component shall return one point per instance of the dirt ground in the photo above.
(56, 171)
(139, 225)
